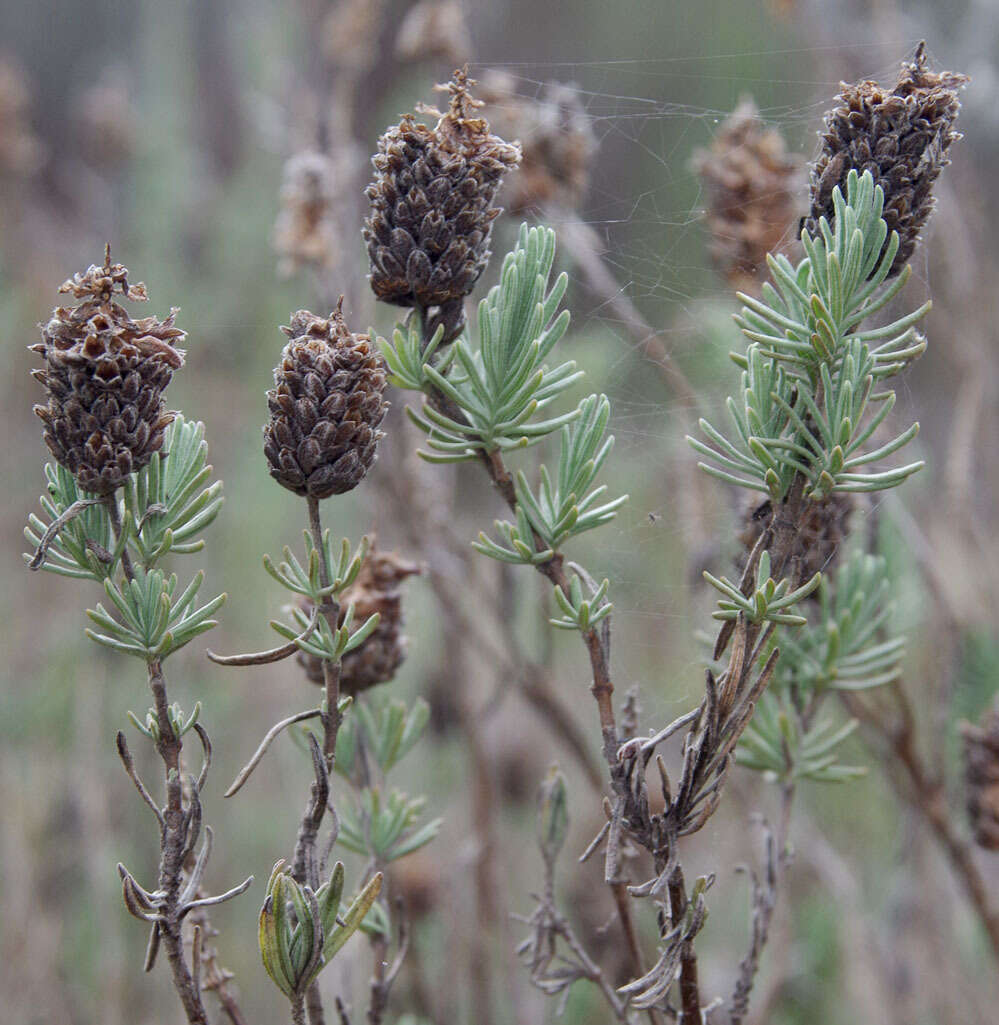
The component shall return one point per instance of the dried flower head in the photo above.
(20, 150)
(376, 590)
(901, 135)
(981, 775)
(825, 524)
(326, 405)
(105, 122)
(304, 232)
(556, 138)
(349, 34)
(432, 203)
(751, 182)
(434, 30)
(104, 375)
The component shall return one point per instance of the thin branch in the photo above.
(777, 858)
(925, 792)
(263, 658)
(126, 759)
(247, 770)
(79, 506)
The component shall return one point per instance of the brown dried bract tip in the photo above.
(326, 405)
(105, 375)
(981, 774)
(556, 138)
(901, 135)
(432, 204)
(752, 183)
(376, 590)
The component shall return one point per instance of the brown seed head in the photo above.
(432, 203)
(105, 375)
(901, 135)
(326, 405)
(376, 590)
(556, 138)
(824, 526)
(752, 183)
(981, 776)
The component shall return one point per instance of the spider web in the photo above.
(646, 205)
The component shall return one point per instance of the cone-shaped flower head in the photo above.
(751, 182)
(901, 135)
(823, 529)
(326, 405)
(981, 777)
(105, 374)
(432, 203)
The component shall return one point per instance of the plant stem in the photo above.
(305, 868)
(690, 993)
(173, 835)
(331, 670)
(765, 895)
(298, 1011)
(925, 792)
(602, 689)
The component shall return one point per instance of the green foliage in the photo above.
(760, 422)
(78, 547)
(553, 815)
(561, 509)
(168, 500)
(385, 825)
(778, 744)
(154, 623)
(408, 358)
(832, 454)
(342, 567)
(815, 307)
(493, 393)
(387, 730)
(581, 613)
(843, 648)
(301, 931)
(807, 403)
(179, 723)
(309, 630)
(313, 634)
(768, 600)
(162, 508)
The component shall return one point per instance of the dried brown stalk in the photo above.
(179, 829)
(924, 790)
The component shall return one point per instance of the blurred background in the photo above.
(222, 149)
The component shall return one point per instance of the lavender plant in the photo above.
(132, 487)
(814, 394)
(131, 490)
